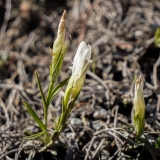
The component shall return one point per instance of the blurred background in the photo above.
(122, 37)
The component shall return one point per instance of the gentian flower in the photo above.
(81, 64)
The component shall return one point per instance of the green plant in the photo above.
(158, 143)
(139, 108)
(157, 37)
(80, 66)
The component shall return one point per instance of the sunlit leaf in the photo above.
(34, 115)
(37, 135)
(40, 88)
(57, 89)
(157, 37)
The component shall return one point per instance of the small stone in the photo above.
(76, 122)
(100, 114)
(96, 126)
(69, 135)
(105, 155)
(84, 97)
(99, 87)
(149, 108)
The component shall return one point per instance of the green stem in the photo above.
(46, 110)
(46, 124)
(51, 85)
(45, 117)
(29, 134)
(61, 126)
(47, 103)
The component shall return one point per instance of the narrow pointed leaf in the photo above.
(54, 72)
(27, 133)
(37, 135)
(41, 91)
(58, 88)
(158, 143)
(58, 65)
(34, 115)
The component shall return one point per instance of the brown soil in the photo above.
(121, 34)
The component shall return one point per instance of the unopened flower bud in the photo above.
(59, 50)
(81, 64)
(60, 46)
(139, 108)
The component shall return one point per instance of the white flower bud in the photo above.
(81, 63)
(139, 107)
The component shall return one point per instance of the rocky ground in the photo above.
(121, 34)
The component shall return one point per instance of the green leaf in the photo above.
(27, 133)
(57, 89)
(37, 135)
(56, 67)
(139, 124)
(66, 99)
(157, 37)
(158, 143)
(40, 88)
(34, 115)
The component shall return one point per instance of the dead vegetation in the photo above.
(121, 34)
